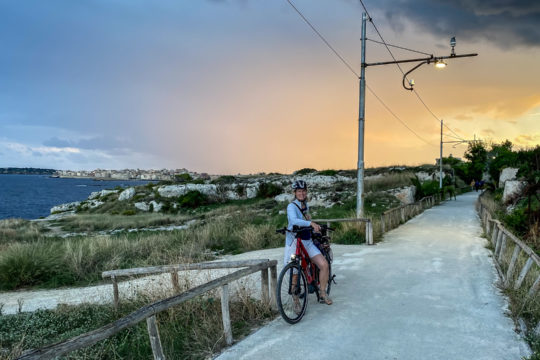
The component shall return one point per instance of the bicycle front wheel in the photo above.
(292, 293)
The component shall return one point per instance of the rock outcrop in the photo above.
(512, 189)
(506, 175)
(126, 194)
(169, 191)
(100, 194)
(405, 195)
(65, 207)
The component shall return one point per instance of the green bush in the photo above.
(304, 171)
(183, 178)
(129, 212)
(193, 199)
(269, 190)
(33, 264)
(223, 180)
(328, 172)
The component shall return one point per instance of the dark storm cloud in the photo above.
(504, 23)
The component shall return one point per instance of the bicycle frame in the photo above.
(302, 255)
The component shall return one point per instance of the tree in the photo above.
(477, 155)
(499, 157)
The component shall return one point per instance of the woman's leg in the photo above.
(322, 264)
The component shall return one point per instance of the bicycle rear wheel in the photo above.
(292, 293)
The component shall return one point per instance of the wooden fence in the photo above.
(392, 218)
(149, 312)
(369, 226)
(518, 265)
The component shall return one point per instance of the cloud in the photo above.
(104, 143)
(504, 23)
(527, 139)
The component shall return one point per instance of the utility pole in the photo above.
(440, 159)
(361, 122)
(437, 60)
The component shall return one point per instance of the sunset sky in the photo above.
(243, 86)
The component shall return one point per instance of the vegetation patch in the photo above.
(269, 190)
(191, 330)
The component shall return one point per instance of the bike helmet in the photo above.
(299, 184)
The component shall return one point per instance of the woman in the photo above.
(297, 214)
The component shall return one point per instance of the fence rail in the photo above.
(513, 269)
(149, 312)
(369, 225)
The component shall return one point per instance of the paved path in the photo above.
(427, 292)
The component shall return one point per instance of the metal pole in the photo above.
(440, 159)
(361, 121)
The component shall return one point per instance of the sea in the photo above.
(33, 196)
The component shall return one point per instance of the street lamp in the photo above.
(439, 63)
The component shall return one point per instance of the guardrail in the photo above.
(523, 258)
(149, 312)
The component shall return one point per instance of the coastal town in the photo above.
(127, 174)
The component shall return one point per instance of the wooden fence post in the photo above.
(273, 286)
(369, 233)
(502, 248)
(402, 210)
(226, 314)
(512, 265)
(523, 273)
(155, 340)
(382, 223)
(534, 288)
(116, 299)
(175, 282)
(498, 242)
(494, 233)
(264, 286)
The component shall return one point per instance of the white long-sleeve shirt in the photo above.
(295, 217)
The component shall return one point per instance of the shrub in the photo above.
(129, 212)
(192, 199)
(328, 172)
(269, 190)
(240, 190)
(223, 180)
(304, 171)
(183, 178)
(32, 264)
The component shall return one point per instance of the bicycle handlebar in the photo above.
(297, 229)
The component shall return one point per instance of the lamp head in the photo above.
(453, 41)
(439, 64)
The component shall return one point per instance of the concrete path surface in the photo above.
(427, 292)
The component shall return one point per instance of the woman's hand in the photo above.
(316, 227)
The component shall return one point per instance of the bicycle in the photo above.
(300, 276)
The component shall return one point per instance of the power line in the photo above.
(353, 71)
(400, 47)
(397, 117)
(323, 39)
(399, 67)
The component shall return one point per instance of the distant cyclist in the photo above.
(298, 214)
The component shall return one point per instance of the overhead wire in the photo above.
(400, 47)
(399, 67)
(354, 71)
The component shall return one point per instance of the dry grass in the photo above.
(389, 181)
(19, 230)
(191, 330)
(98, 222)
